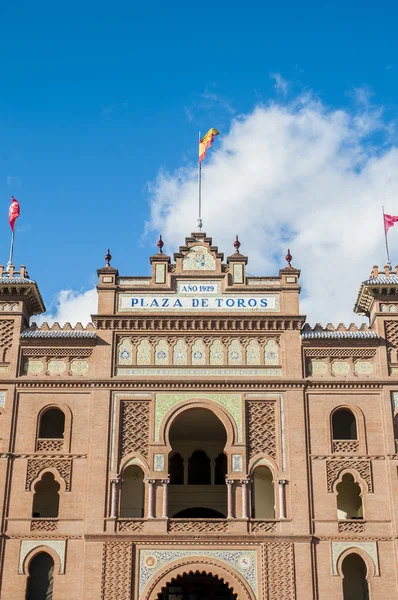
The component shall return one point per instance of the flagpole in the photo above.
(385, 237)
(11, 250)
(200, 192)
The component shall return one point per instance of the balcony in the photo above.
(50, 445)
(345, 446)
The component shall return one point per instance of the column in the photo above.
(151, 503)
(282, 498)
(165, 504)
(229, 483)
(245, 495)
(115, 484)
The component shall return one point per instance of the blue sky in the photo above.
(97, 99)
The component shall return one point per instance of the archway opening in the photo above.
(349, 501)
(52, 424)
(197, 586)
(197, 464)
(132, 493)
(199, 512)
(355, 585)
(263, 497)
(46, 497)
(40, 581)
(344, 425)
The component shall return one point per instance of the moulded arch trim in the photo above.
(218, 410)
(57, 478)
(31, 548)
(357, 479)
(359, 419)
(67, 425)
(215, 568)
(372, 568)
(263, 460)
(134, 459)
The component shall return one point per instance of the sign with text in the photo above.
(201, 302)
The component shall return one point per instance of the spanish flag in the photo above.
(206, 142)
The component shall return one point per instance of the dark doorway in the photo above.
(197, 587)
(199, 512)
(40, 581)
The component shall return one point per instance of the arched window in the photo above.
(344, 425)
(132, 494)
(52, 424)
(40, 581)
(349, 501)
(199, 469)
(176, 467)
(396, 427)
(355, 586)
(46, 497)
(221, 469)
(263, 497)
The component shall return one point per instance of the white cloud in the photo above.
(298, 176)
(71, 306)
(281, 85)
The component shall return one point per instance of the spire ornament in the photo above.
(288, 257)
(237, 245)
(108, 258)
(160, 244)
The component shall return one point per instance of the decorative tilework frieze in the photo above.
(232, 402)
(271, 353)
(144, 352)
(217, 352)
(56, 367)
(243, 561)
(2, 399)
(162, 351)
(180, 354)
(341, 367)
(237, 463)
(363, 367)
(201, 372)
(235, 353)
(198, 259)
(369, 547)
(59, 547)
(125, 352)
(253, 353)
(79, 367)
(158, 462)
(198, 353)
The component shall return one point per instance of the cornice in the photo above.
(244, 539)
(40, 455)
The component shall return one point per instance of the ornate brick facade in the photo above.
(199, 434)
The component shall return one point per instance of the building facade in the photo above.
(198, 440)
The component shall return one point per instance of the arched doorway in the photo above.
(40, 581)
(197, 465)
(197, 586)
(355, 585)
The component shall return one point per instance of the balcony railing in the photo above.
(130, 525)
(44, 524)
(345, 446)
(352, 525)
(197, 526)
(50, 445)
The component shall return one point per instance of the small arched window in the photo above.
(221, 469)
(263, 497)
(199, 469)
(355, 585)
(176, 469)
(132, 494)
(46, 497)
(52, 424)
(40, 581)
(344, 425)
(349, 501)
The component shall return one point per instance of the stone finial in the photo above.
(237, 245)
(374, 272)
(108, 258)
(387, 268)
(288, 257)
(160, 244)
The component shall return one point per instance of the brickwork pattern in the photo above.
(345, 446)
(44, 525)
(116, 571)
(261, 428)
(35, 466)
(125, 526)
(352, 527)
(6, 331)
(279, 578)
(335, 467)
(50, 445)
(134, 427)
(197, 526)
(262, 526)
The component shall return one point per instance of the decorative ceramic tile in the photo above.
(340, 367)
(125, 352)
(162, 353)
(151, 561)
(271, 353)
(363, 367)
(33, 366)
(217, 353)
(160, 273)
(232, 402)
(389, 307)
(79, 367)
(235, 353)
(3, 369)
(56, 367)
(198, 259)
(253, 353)
(180, 356)
(199, 372)
(394, 399)
(198, 353)
(237, 463)
(317, 367)
(59, 547)
(144, 352)
(369, 547)
(238, 273)
(158, 462)
(2, 399)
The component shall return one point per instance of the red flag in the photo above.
(389, 221)
(13, 212)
